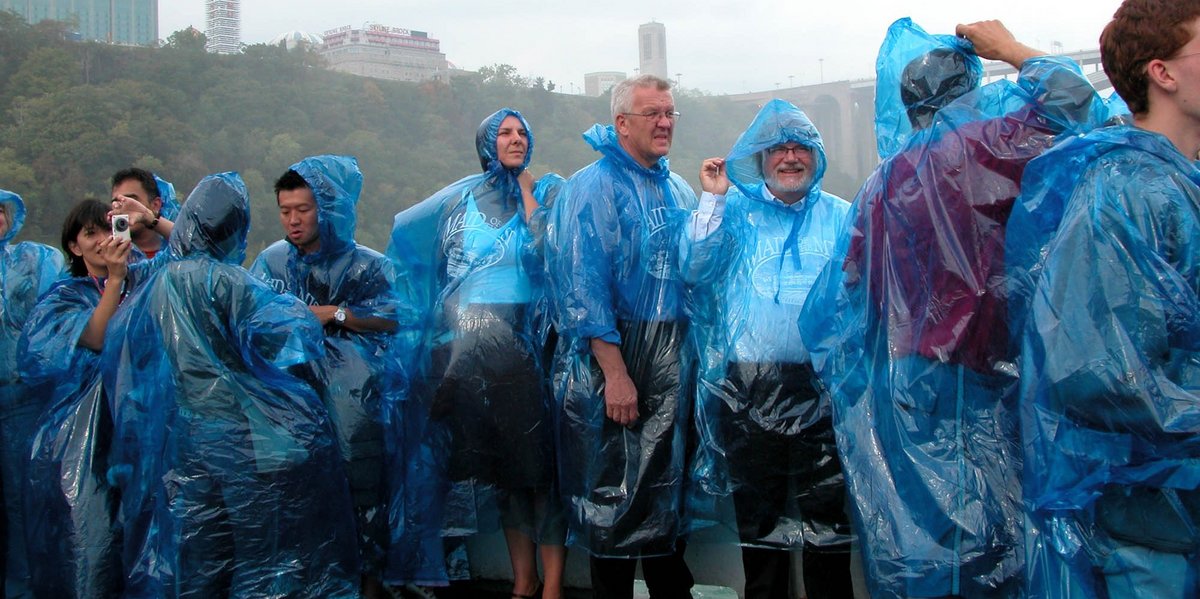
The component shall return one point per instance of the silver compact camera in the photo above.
(120, 226)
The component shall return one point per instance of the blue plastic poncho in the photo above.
(614, 276)
(907, 328)
(478, 416)
(1110, 366)
(764, 423)
(170, 203)
(74, 548)
(27, 270)
(227, 463)
(360, 378)
(916, 75)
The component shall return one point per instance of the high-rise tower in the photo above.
(223, 26)
(652, 49)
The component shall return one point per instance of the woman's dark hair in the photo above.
(86, 212)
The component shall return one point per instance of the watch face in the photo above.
(340, 315)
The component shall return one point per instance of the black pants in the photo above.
(768, 574)
(777, 431)
(628, 489)
(667, 577)
(778, 438)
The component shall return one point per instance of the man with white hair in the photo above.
(618, 299)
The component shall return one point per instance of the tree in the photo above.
(503, 74)
(189, 40)
(44, 71)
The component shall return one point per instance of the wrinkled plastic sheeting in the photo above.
(27, 270)
(71, 534)
(1110, 366)
(476, 421)
(908, 329)
(613, 264)
(360, 377)
(915, 64)
(230, 479)
(764, 422)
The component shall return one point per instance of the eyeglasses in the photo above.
(655, 116)
(1184, 55)
(778, 151)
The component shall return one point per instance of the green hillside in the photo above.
(75, 112)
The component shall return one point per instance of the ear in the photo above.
(621, 124)
(1160, 74)
(74, 247)
(156, 205)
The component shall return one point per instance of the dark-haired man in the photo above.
(231, 485)
(350, 288)
(1107, 236)
(135, 192)
(907, 324)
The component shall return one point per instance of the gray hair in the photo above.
(622, 93)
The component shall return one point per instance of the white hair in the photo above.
(622, 93)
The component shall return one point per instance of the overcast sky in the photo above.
(720, 47)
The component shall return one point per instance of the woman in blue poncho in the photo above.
(473, 255)
(69, 504)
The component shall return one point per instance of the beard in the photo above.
(774, 184)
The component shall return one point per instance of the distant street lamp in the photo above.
(790, 84)
(678, 78)
(821, 62)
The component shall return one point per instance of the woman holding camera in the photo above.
(69, 504)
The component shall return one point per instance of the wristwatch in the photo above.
(340, 315)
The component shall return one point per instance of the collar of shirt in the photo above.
(770, 197)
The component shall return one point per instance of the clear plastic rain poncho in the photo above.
(478, 417)
(360, 378)
(227, 462)
(917, 74)
(27, 270)
(765, 424)
(170, 203)
(613, 265)
(73, 543)
(907, 327)
(1110, 366)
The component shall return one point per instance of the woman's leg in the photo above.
(522, 554)
(554, 561)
